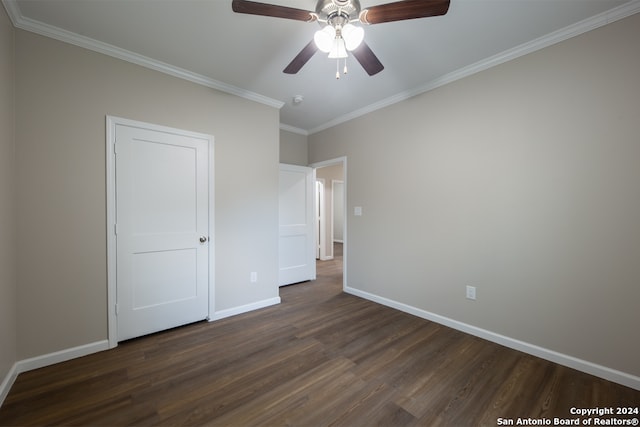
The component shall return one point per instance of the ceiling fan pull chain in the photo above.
(345, 65)
(338, 69)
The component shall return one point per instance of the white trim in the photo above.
(111, 123)
(8, 381)
(333, 210)
(86, 349)
(320, 229)
(616, 376)
(62, 35)
(61, 356)
(558, 36)
(13, 10)
(244, 308)
(604, 18)
(47, 360)
(212, 229)
(112, 324)
(293, 129)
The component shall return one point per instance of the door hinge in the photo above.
(117, 309)
(115, 147)
(115, 229)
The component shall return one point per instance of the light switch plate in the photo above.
(471, 292)
(357, 211)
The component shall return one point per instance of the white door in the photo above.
(162, 229)
(297, 239)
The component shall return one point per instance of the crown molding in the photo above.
(293, 129)
(56, 33)
(613, 15)
(11, 6)
(558, 36)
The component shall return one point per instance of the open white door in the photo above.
(297, 217)
(162, 229)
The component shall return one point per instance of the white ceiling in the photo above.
(205, 41)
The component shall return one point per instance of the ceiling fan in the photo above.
(339, 35)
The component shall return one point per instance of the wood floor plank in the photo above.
(320, 358)
(275, 406)
(214, 396)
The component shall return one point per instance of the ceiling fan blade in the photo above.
(264, 9)
(402, 10)
(368, 59)
(302, 58)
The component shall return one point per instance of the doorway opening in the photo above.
(332, 218)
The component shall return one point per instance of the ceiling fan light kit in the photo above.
(324, 38)
(339, 35)
(352, 36)
(336, 38)
(338, 49)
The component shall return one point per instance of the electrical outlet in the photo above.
(471, 292)
(254, 277)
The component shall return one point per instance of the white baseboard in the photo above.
(553, 356)
(244, 308)
(619, 377)
(83, 350)
(61, 356)
(8, 381)
(46, 360)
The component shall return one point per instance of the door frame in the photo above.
(111, 123)
(333, 162)
(333, 210)
(321, 252)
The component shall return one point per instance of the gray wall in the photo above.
(293, 148)
(63, 94)
(8, 341)
(522, 180)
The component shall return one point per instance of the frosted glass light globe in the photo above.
(324, 38)
(352, 36)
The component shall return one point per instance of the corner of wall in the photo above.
(8, 265)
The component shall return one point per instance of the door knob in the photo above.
(203, 239)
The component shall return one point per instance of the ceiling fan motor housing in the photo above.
(329, 9)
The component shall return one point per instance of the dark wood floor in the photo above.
(320, 358)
